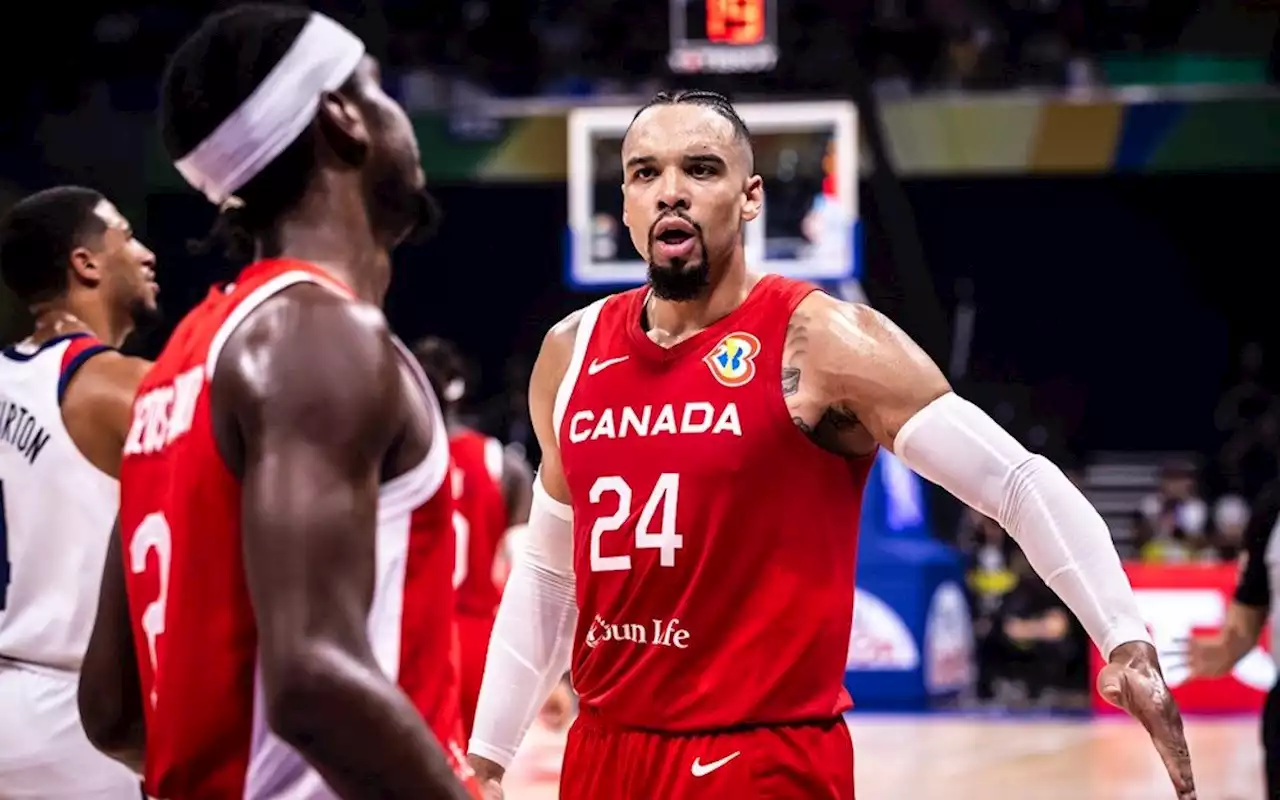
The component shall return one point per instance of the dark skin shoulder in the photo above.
(310, 408)
(98, 405)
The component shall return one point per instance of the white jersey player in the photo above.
(65, 393)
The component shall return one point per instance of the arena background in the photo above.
(1070, 204)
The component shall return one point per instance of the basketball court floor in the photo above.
(972, 758)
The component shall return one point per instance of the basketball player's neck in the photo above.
(332, 230)
(77, 312)
(729, 287)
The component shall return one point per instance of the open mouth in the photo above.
(674, 236)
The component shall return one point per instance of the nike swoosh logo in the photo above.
(600, 366)
(699, 769)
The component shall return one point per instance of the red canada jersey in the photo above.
(193, 621)
(714, 543)
(480, 519)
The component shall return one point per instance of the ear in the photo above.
(84, 267)
(626, 218)
(755, 198)
(343, 126)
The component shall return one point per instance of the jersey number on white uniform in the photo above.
(152, 533)
(662, 503)
(4, 554)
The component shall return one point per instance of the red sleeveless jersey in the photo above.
(714, 544)
(193, 621)
(480, 519)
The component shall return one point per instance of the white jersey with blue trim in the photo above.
(56, 510)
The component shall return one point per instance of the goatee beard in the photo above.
(679, 283)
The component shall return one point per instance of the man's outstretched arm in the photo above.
(851, 377)
(311, 385)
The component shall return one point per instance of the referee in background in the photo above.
(1256, 594)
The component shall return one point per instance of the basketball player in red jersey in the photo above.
(705, 441)
(492, 488)
(65, 393)
(285, 550)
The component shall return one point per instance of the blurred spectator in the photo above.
(1028, 649)
(1230, 517)
(987, 549)
(1040, 643)
(1170, 523)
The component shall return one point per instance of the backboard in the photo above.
(809, 229)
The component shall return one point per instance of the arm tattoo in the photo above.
(795, 347)
(829, 432)
(790, 381)
(832, 429)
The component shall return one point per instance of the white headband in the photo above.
(320, 60)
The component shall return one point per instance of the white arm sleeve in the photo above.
(956, 445)
(533, 633)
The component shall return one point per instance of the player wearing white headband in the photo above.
(284, 551)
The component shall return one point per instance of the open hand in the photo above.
(1132, 681)
(1209, 656)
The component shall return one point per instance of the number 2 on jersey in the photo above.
(664, 499)
(152, 533)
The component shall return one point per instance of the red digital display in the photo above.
(736, 21)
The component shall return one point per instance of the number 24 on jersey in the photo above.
(660, 508)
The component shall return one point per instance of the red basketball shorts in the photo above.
(473, 640)
(797, 762)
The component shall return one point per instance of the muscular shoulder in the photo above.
(850, 374)
(309, 333)
(837, 328)
(310, 360)
(555, 353)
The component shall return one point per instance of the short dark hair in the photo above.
(38, 235)
(442, 362)
(700, 97)
(215, 70)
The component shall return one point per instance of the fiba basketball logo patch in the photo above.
(732, 360)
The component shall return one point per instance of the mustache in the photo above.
(677, 214)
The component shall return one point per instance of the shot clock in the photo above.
(723, 35)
